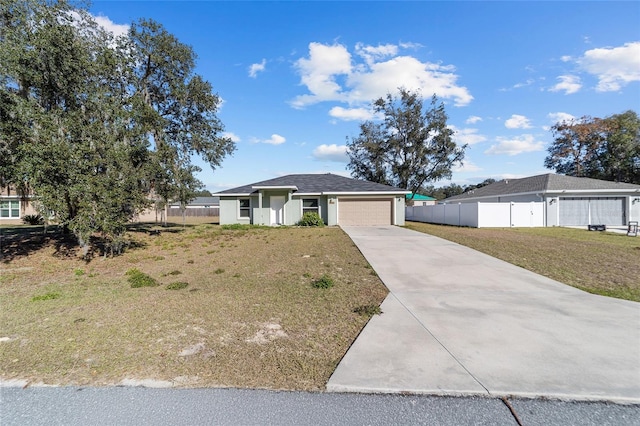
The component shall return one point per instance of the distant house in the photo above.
(14, 207)
(338, 200)
(199, 203)
(567, 200)
(198, 207)
(421, 200)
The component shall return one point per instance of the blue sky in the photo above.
(297, 78)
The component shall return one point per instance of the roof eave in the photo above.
(366, 192)
(291, 187)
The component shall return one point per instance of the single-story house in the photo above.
(14, 207)
(421, 200)
(198, 207)
(337, 199)
(199, 203)
(568, 201)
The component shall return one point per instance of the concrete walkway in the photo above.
(459, 322)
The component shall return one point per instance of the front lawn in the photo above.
(231, 308)
(598, 262)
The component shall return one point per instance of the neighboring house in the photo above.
(568, 201)
(421, 200)
(198, 207)
(14, 207)
(338, 200)
(199, 203)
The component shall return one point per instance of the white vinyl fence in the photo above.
(480, 215)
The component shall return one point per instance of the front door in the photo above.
(277, 209)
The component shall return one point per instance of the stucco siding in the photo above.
(634, 208)
(400, 204)
(229, 211)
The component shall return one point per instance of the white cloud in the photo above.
(518, 122)
(515, 146)
(331, 73)
(558, 117)
(274, 140)
(109, 25)
(615, 67)
(529, 82)
(467, 167)
(566, 58)
(254, 69)
(373, 53)
(473, 119)
(351, 114)
(319, 72)
(333, 152)
(232, 136)
(568, 83)
(467, 136)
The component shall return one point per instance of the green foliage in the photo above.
(410, 147)
(219, 271)
(78, 272)
(79, 107)
(368, 310)
(600, 148)
(178, 285)
(324, 281)
(241, 227)
(139, 279)
(47, 296)
(32, 219)
(311, 219)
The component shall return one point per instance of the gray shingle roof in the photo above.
(541, 184)
(202, 201)
(316, 183)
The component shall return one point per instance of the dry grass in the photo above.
(598, 262)
(248, 317)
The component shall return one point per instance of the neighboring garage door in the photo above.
(582, 211)
(364, 212)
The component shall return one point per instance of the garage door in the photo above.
(576, 211)
(364, 212)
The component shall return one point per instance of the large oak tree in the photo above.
(93, 125)
(410, 147)
(600, 148)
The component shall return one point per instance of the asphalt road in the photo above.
(147, 406)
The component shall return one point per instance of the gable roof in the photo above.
(420, 197)
(202, 201)
(546, 183)
(315, 184)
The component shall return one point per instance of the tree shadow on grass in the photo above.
(21, 241)
(152, 228)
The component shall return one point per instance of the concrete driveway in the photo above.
(459, 322)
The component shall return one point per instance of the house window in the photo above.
(310, 205)
(245, 207)
(9, 209)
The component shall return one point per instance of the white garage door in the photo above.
(364, 212)
(576, 211)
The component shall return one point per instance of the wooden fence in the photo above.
(194, 212)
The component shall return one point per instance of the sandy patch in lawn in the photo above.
(268, 332)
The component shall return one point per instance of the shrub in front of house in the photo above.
(311, 219)
(33, 219)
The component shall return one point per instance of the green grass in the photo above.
(602, 263)
(178, 285)
(324, 281)
(139, 279)
(47, 296)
